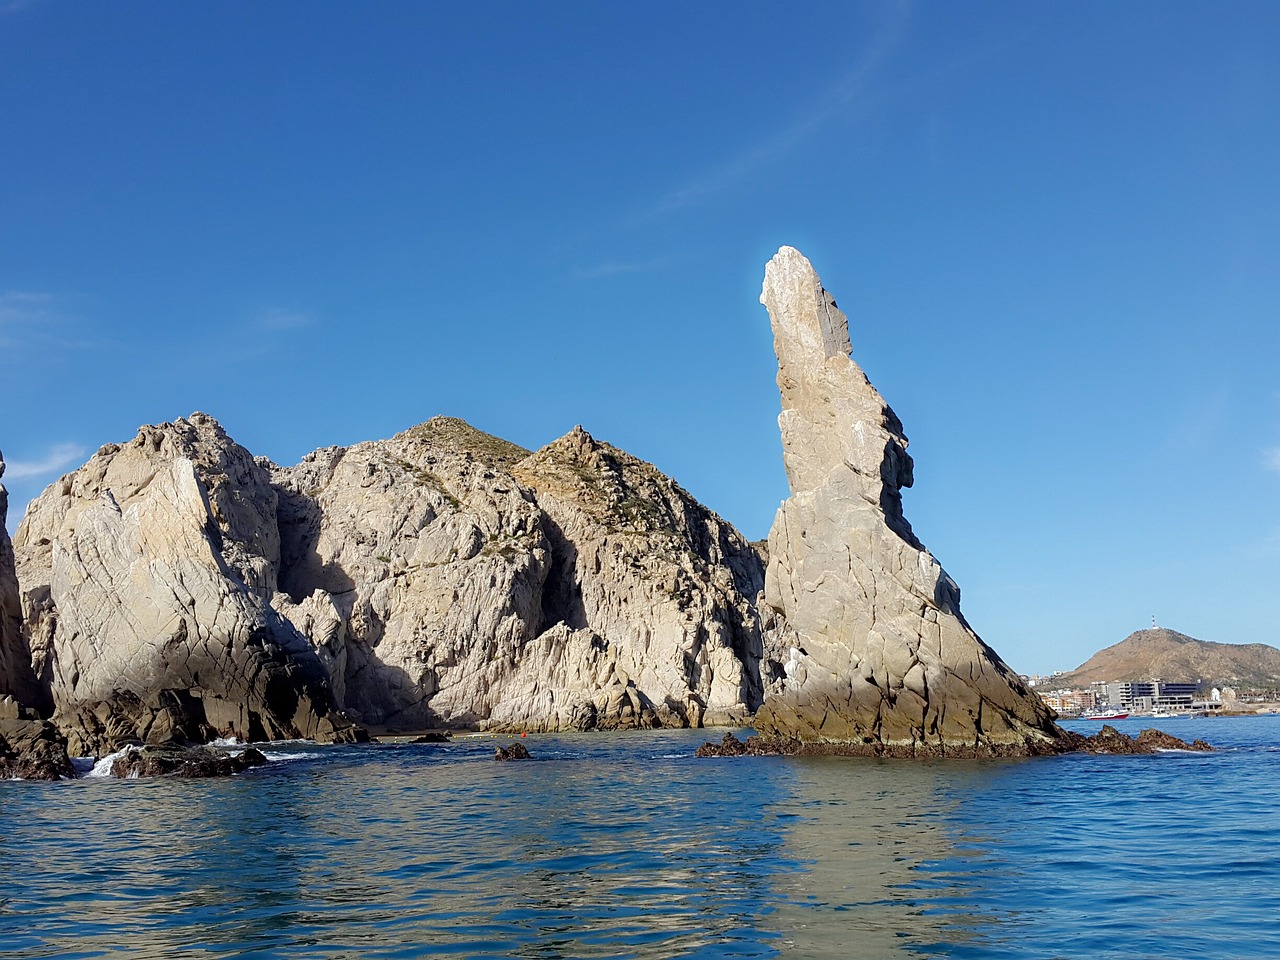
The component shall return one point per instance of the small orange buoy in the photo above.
(523, 734)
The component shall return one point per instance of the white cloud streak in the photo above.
(1271, 459)
(54, 461)
(838, 97)
(277, 320)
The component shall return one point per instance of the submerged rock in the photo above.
(880, 658)
(1111, 740)
(516, 751)
(172, 760)
(1108, 740)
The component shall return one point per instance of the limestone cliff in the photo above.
(659, 587)
(17, 680)
(175, 588)
(880, 656)
(451, 578)
(146, 578)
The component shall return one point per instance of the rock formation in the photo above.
(449, 578)
(177, 589)
(880, 658)
(147, 577)
(185, 762)
(18, 685)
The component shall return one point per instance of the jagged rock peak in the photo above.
(617, 488)
(453, 436)
(881, 656)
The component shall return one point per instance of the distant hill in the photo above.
(1173, 656)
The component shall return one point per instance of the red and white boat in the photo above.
(1113, 715)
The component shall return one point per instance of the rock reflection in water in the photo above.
(864, 832)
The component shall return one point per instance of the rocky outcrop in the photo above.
(175, 589)
(146, 578)
(880, 656)
(449, 578)
(17, 679)
(187, 762)
(516, 751)
(1107, 740)
(33, 750)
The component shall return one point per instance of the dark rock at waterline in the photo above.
(33, 750)
(172, 760)
(1107, 740)
(442, 737)
(1111, 740)
(516, 751)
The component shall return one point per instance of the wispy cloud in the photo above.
(614, 268)
(34, 319)
(738, 168)
(280, 319)
(54, 461)
(1271, 459)
(14, 6)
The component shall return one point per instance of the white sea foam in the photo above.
(275, 756)
(103, 767)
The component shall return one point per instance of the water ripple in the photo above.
(626, 846)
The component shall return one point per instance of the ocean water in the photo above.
(625, 845)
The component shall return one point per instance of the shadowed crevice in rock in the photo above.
(880, 658)
(147, 578)
(18, 680)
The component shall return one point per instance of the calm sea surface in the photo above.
(624, 845)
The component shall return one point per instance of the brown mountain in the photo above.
(1173, 656)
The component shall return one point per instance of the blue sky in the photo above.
(1055, 228)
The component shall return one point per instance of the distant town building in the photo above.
(1070, 703)
(1146, 696)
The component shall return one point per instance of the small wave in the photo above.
(225, 742)
(276, 756)
(103, 767)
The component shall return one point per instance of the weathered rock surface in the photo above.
(190, 762)
(515, 751)
(146, 578)
(880, 656)
(449, 578)
(175, 589)
(1107, 740)
(655, 593)
(33, 750)
(17, 679)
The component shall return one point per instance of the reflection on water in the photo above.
(626, 846)
(862, 830)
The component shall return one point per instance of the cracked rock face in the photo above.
(146, 578)
(17, 680)
(449, 578)
(879, 653)
(175, 588)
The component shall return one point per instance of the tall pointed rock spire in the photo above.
(881, 659)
